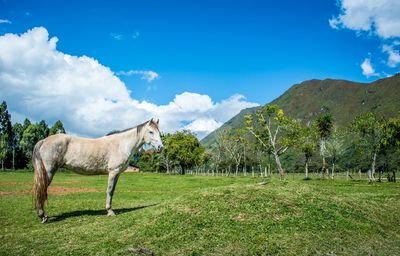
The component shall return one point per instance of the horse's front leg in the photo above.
(112, 182)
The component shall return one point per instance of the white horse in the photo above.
(106, 155)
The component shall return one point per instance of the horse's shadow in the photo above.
(67, 215)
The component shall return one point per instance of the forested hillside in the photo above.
(343, 99)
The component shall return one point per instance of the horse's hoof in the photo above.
(110, 213)
(44, 219)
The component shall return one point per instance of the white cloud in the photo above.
(380, 17)
(147, 75)
(5, 21)
(116, 36)
(193, 102)
(375, 17)
(367, 68)
(393, 55)
(334, 23)
(40, 82)
(203, 125)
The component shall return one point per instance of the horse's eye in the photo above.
(151, 132)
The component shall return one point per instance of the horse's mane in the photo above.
(139, 128)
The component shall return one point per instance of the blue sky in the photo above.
(217, 48)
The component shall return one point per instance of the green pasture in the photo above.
(201, 215)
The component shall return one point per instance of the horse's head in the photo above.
(152, 137)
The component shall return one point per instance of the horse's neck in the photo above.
(131, 140)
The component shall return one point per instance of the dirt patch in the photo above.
(58, 190)
(15, 183)
(14, 193)
(18, 183)
(141, 251)
(53, 190)
(239, 217)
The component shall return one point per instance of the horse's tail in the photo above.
(41, 181)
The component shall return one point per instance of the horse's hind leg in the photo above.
(40, 206)
(112, 182)
(41, 182)
(45, 172)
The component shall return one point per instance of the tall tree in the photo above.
(3, 150)
(246, 144)
(233, 145)
(307, 144)
(30, 137)
(5, 122)
(218, 152)
(335, 148)
(18, 131)
(369, 130)
(324, 125)
(5, 131)
(19, 159)
(273, 130)
(166, 159)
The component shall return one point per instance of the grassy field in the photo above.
(193, 215)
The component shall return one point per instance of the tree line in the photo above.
(17, 140)
(271, 141)
(268, 142)
(365, 144)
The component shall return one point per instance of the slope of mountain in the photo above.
(343, 99)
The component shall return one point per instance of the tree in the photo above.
(5, 122)
(58, 127)
(30, 137)
(324, 126)
(6, 132)
(42, 130)
(217, 153)
(200, 158)
(307, 144)
(206, 161)
(19, 159)
(233, 145)
(369, 131)
(390, 143)
(26, 123)
(184, 148)
(335, 148)
(274, 131)
(3, 150)
(166, 158)
(149, 162)
(391, 133)
(246, 147)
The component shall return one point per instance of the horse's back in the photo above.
(82, 155)
(87, 156)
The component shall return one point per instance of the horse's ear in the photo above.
(158, 120)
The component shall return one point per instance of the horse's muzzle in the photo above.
(159, 149)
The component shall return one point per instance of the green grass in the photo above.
(194, 215)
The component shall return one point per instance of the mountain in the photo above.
(343, 99)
